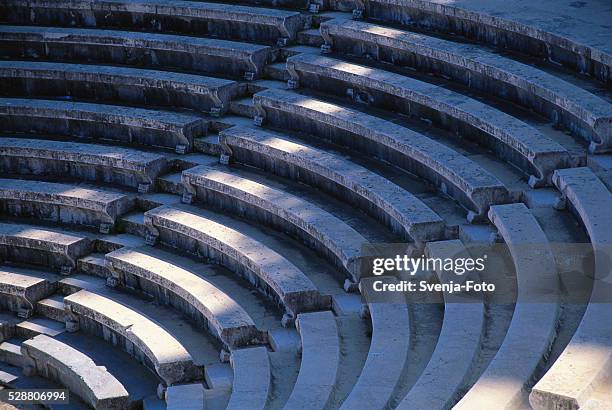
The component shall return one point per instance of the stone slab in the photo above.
(252, 379)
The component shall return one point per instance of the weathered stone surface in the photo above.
(534, 323)
(388, 349)
(320, 361)
(90, 162)
(55, 360)
(566, 32)
(144, 339)
(112, 84)
(20, 289)
(62, 202)
(198, 18)
(585, 362)
(403, 212)
(129, 47)
(582, 112)
(226, 319)
(100, 121)
(461, 177)
(322, 230)
(186, 397)
(41, 246)
(511, 138)
(261, 265)
(458, 345)
(252, 379)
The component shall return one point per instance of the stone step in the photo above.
(243, 107)
(277, 71)
(10, 352)
(93, 265)
(38, 325)
(51, 308)
(311, 38)
(21, 289)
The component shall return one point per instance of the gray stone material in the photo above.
(197, 54)
(20, 289)
(252, 379)
(320, 229)
(186, 397)
(580, 111)
(225, 318)
(41, 246)
(447, 169)
(100, 121)
(77, 372)
(564, 32)
(513, 140)
(534, 323)
(572, 379)
(320, 361)
(191, 17)
(144, 339)
(278, 277)
(458, 345)
(399, 209)
(62, 202)
(89, 162)
(389, 347)
(112, 84)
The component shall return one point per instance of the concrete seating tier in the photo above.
(534, 323)
(320, 346)
(389, 347)
(585, 362)
(173, 285)
(88, 162)
(547, 29)
(270, 272)
(20, 289)
(62, 202)
(52, 359)
(511, 139)
(252, 379)
(135, 333)
(579, 110)
(188, 17)
(459, 343)
(39, 246)
(397, 208)
(454, 173)
(112, 84)
(131, 125)
(196, 54)
(321, 230)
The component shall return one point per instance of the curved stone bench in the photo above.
(134, 48)
(452, 172)
(545, 31)
(142, 338)
(62, 202)
(534, 323)
(57, 361)
(388, 349)
(320, 346)
(188, 17)
(132, 125)
(580, 111)
(112, 84)
(89, 162)
(585, 362)
(458, 345)
(21, 289)
(225, 318)
(266, 269)
(40, 246)
(252, 379)
(317, 227)
(397, 208)
(511, 139)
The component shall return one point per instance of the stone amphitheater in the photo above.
(187, 190)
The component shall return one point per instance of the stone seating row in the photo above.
(252, 379)
(150, 50)
(20, 289)
(245, 23)
(580, 111)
